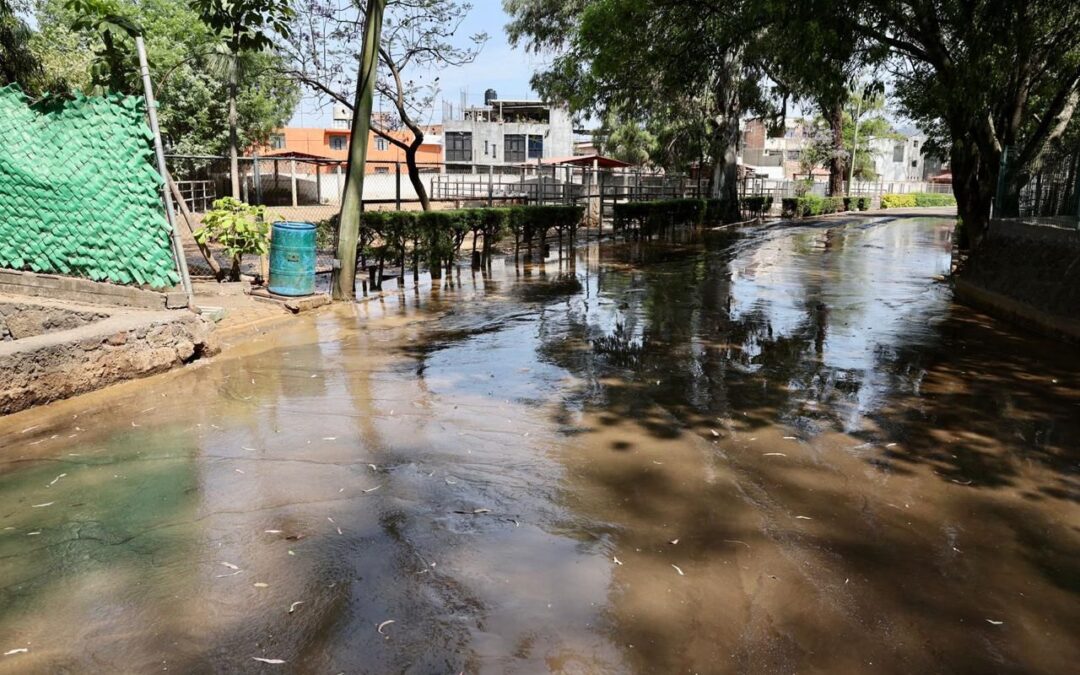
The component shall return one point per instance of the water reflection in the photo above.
(784, 450)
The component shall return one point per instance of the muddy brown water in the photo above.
(783, 452)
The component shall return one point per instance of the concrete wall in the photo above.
(130, 344)
(19, 320)
(1027, 272)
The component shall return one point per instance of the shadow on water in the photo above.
(774, 451)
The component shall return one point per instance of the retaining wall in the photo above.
(1029, 273)
(125, 345)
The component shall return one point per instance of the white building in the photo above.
(504, 133)
(899, 159)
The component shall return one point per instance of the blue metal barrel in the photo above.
(292, 259)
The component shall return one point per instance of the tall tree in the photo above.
(18, 64)
(979, 76)
(243, 26)
(419, 38)
(192, 94)
(627, 54)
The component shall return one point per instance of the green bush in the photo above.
(856, 203)
(915, 199)
(811, 205)
(656, 216)
(756, 205)
(437, 236)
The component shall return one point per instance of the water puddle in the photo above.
(782, 451)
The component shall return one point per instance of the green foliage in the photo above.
(238, 227)
(856, 203)
(190, 80)
(756, 206)
(626, 140)
(18, 63)
(113, 66)
(246, 25)
(437, 236)
(915, 199)
(653, 217)
(811, 205)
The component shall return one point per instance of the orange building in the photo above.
(333, 144)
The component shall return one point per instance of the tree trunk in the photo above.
(234, 141)
(725, 139)
(344, 278)
(837, 165)
(414, 173)
(974, 182)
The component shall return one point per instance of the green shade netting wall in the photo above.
(78, 193)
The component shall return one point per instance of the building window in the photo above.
(277, 142)
(339, 142)
(536, 147)
(380, 143)
(458, 146)
(898, 152)
(382, 169)
(514, 147)
(794, 154)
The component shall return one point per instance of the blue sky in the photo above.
(499, 66)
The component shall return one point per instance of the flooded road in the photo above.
(782, 452)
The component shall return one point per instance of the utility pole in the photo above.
(344, 282)
(159, 154)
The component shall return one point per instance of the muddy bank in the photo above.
(787, 451)
(56, 350)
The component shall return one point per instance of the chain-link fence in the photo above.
(303, 188)
(1047, 192)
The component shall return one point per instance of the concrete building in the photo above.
(776, 153)
(899, 159)
(505, 133)
(333, 144)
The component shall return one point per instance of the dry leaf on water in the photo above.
(384, 624)
(276, 662)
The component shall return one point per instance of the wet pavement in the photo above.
(782, 452)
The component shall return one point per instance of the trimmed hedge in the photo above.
(810, 205)
(756, 205)
(916, 199)
(399, 237)
(653, 217)
(859, 203)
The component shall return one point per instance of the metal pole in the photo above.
(159, 152)
(257, 178)
(491, 187)
(292, 172)
(397, 186)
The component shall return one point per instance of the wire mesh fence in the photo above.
(297, 187)
(1048, 192)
